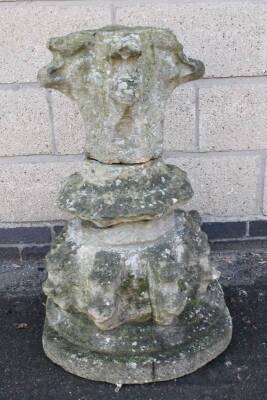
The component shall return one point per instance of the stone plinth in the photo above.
(131, 296)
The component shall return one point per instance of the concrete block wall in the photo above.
(215, 128)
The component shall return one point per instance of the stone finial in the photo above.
(121, 78)
(131, 296)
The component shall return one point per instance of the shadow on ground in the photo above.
(239, 373)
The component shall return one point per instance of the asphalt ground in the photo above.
(240, 373)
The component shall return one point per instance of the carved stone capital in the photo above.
(120, 78)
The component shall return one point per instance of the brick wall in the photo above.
(215, 128)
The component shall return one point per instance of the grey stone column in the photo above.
(131, 296)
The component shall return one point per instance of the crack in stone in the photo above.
(153, 371)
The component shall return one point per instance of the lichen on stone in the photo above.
(121, 78)
(108, 195)
(131, 295)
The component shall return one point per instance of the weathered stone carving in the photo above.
(132, 297)
(121, 80)
(108, 195)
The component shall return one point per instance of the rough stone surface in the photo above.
(108, 195)
(178, 131)
(24, 122)
(138, 301)
(233, 117)
(121, 79)
(229, 36)
(201, 334)
(99, 280)
(130, 272)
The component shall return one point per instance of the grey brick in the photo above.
(24, 122)
(228, 36)
(224, 185)
(28, 191)
(233, 117)
(26, 27)
(29, 234)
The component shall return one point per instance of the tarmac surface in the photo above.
(240, 373)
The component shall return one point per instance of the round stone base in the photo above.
(197, 349)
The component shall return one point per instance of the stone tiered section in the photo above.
(131, 295)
